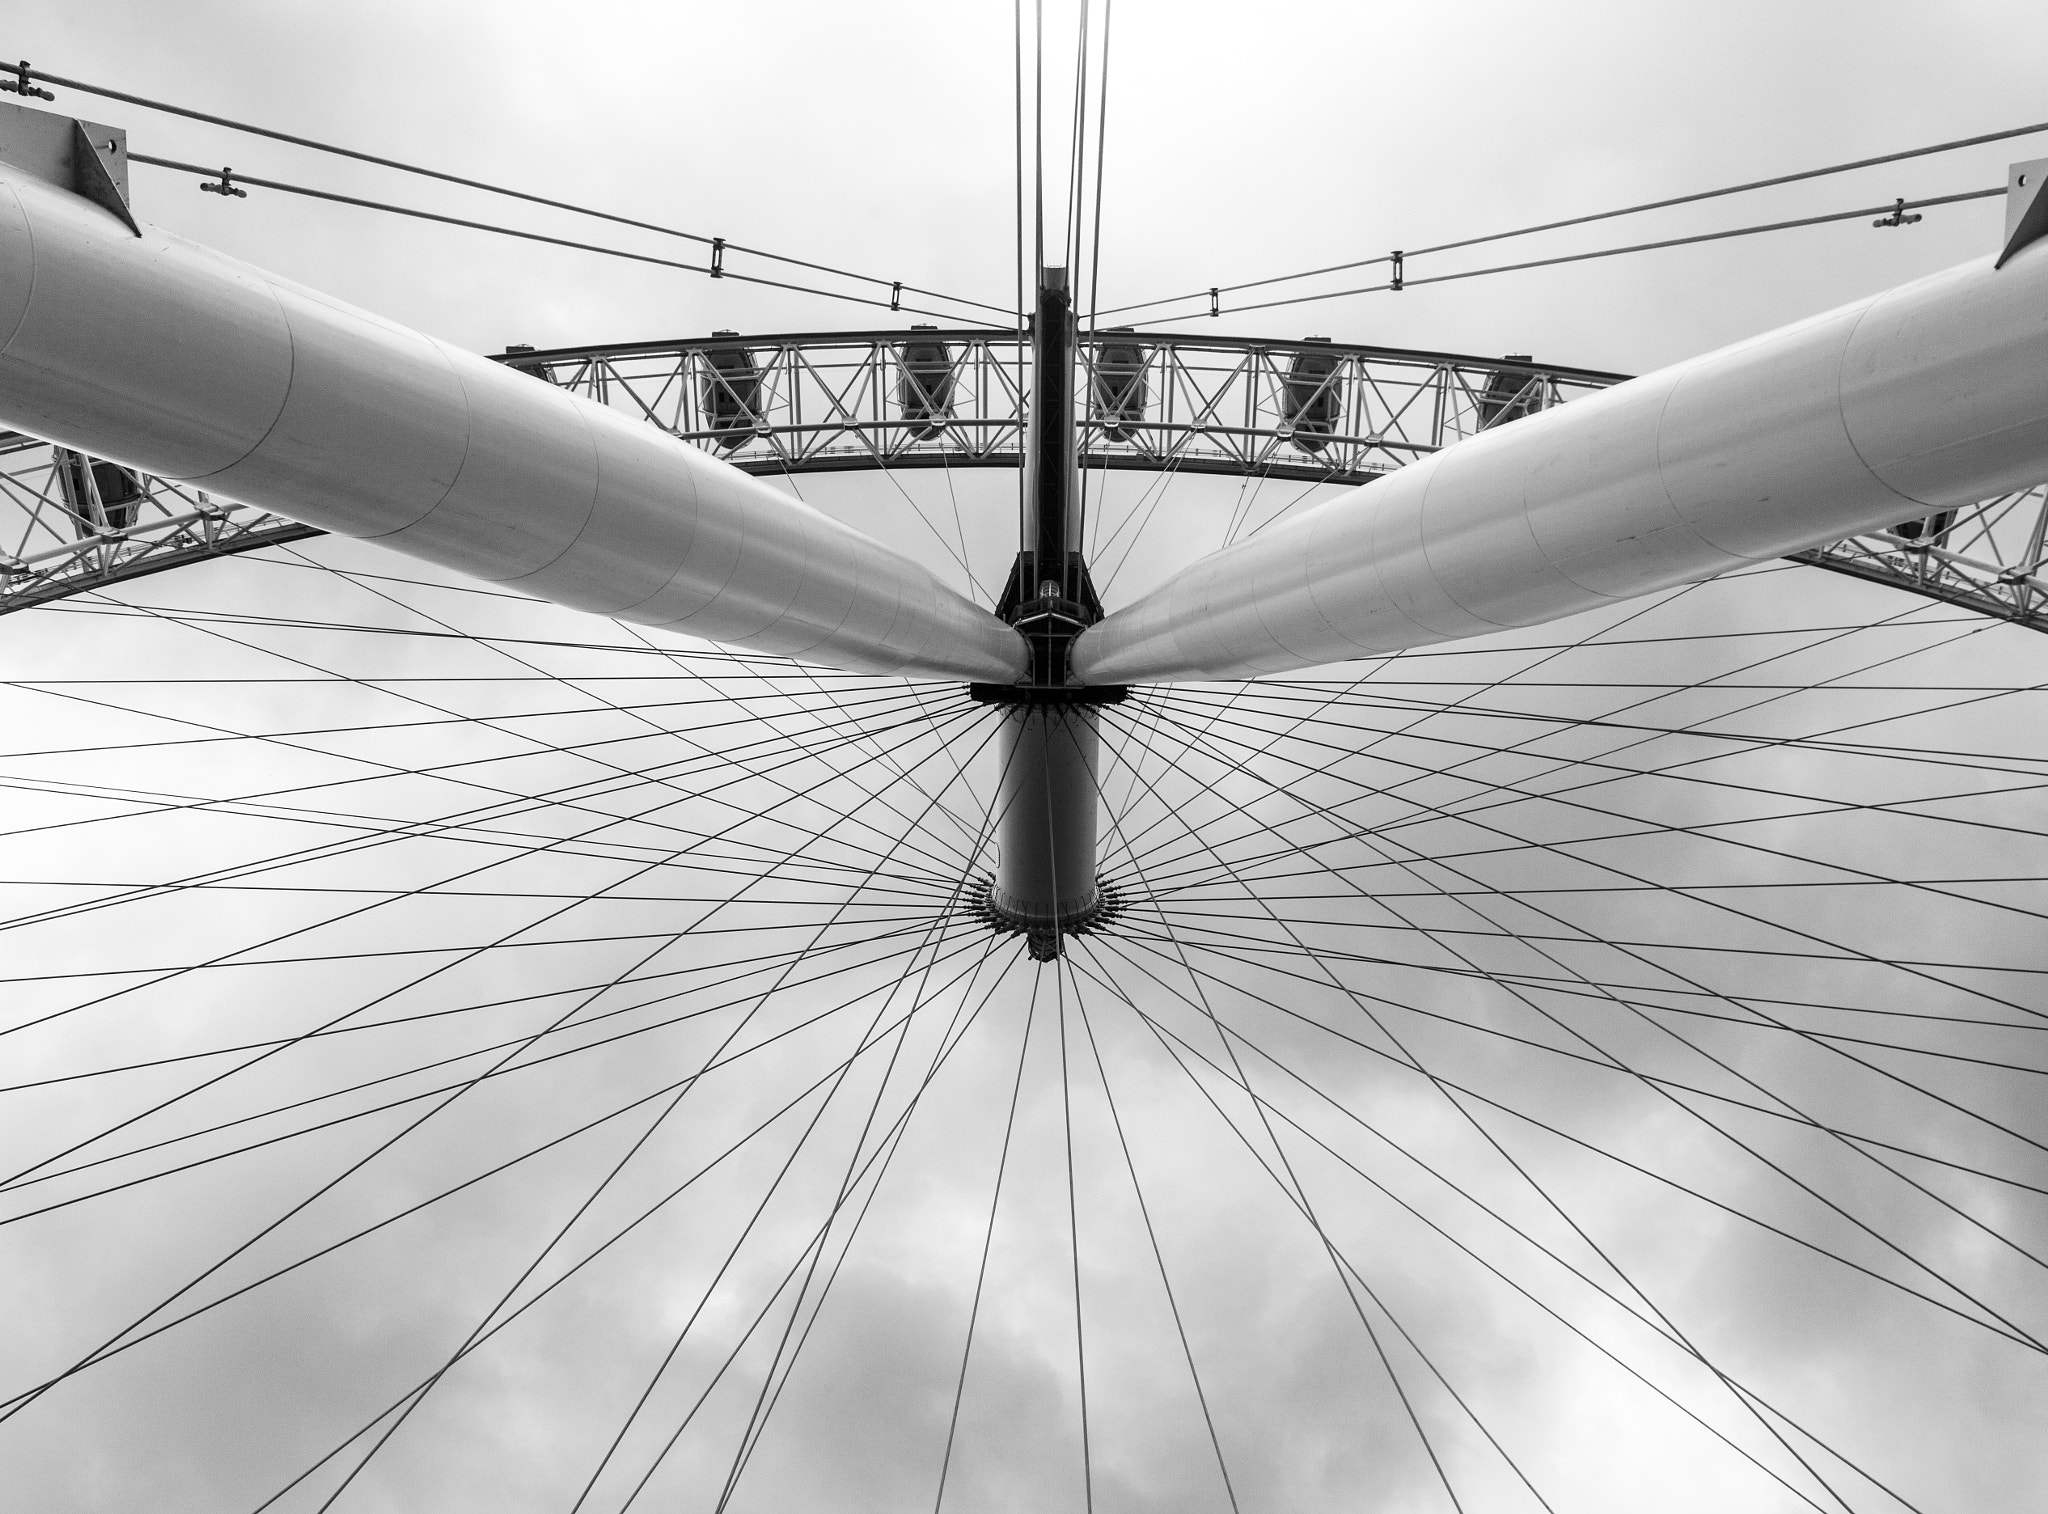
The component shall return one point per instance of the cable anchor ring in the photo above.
(225, 187)
(22, 87)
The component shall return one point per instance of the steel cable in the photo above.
(1605, 215)
(535, 236)
(1581, 257)
(26, 73)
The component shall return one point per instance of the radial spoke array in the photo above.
(598, 1035)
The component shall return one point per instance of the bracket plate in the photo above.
(2026, 207)
(84, 157)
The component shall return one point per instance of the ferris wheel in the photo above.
(1252, 924)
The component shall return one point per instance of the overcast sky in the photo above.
(1242, 142)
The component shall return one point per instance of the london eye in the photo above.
(1055, 899)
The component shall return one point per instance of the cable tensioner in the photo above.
(22, 87)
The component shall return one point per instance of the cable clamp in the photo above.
(1898, 217)
(225, 187)
(896, 295)
(22, 87)
(1398, 271)
(718, 257)
(1213, 310)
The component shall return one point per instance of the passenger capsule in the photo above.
(1312, 396)
(925, 389)
(732, 392)
(1119, 389)
(100, 496)
(515, 358)
(1504, 399)
(1927, 532)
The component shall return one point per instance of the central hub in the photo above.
(1045, 886)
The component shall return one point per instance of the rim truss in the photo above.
(1986, 558)
(1311, 410)
(1319, 412)
(70, 524)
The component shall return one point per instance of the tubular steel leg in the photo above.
(1045, 884)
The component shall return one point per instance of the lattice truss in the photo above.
(70, 523)
(1314, 411)
(1311, 410)
(1987, 558)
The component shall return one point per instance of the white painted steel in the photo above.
(1928, 396)
(175, 359)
